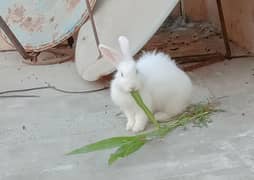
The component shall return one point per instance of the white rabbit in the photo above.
(164, 88)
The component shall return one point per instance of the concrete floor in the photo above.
(35, 133)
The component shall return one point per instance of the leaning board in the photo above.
(136, 19)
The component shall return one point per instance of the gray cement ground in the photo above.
(35, 133)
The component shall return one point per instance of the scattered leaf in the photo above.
(126, 150)
(197, 114)
(103, 144)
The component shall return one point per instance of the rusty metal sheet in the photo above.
(40, 25)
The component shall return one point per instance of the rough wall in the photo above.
(239, 16)
(196, 9)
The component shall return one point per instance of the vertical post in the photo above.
(13, 39)
(228, 54)
(93, 26)
(182, 10)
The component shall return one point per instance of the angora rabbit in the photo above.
(164, 88)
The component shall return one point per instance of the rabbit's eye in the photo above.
(121, 74)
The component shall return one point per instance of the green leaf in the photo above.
(126, 150)
(158, 133)
(103, 144)
(197, 114)
(141, 104)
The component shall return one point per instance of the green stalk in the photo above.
(170, 126)
(197, 114)
(141, 104)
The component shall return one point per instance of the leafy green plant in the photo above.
(149, 114)
(197, 114)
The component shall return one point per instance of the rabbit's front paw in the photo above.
(129, 125)
(140, 123)
(138, 128)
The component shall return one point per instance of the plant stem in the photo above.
(141, 104)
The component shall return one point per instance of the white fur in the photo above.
(164, 87)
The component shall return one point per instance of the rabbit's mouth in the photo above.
(133, 87)
(129, 88)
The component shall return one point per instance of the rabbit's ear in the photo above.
(124, 45)
(110, 54)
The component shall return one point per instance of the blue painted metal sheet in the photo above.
(41, 24)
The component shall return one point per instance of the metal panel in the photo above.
(40, 25)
